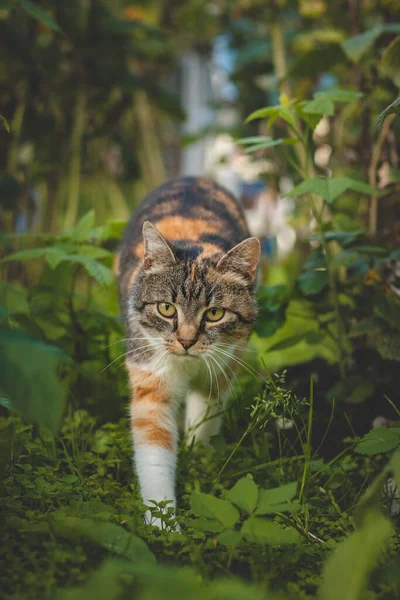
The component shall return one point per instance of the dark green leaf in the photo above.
(81, 231)
(278, 495)
(263, 531)
(318, 60)
(230, 538)
(108, 535)
(312, 282)
(39, 14)
(244, 494)
(14, 298)
(205, 505)
(388, 309)
(357, 46)
(388, 345)
(379, 441)
(369, 325)
(7, 435)
(5, 123)
(28, 377)
(392, 109)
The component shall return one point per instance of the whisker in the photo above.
(234, 375)
(224, 374)
(241, 362)
(209, 371)
(216, 378)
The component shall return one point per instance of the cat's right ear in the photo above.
(158, 253)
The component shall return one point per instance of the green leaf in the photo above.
(52, 255)
(263, 531)
(230, 538)
(344, 259)
(205, 505)
(244, 494)
(388, 345)
(390, 63)
(392, 109)
(355, 47)
(379, 441)
(273, 113)
(312, 282)
(29, 377)
(354, 389)
(277, 495)
(107, 535)
(102, 274)
(5, 123)
(388, 309)
(14, 298)
(371, 498)
(330, 189)
(94, 252)
(369, 325)
(81, 231)
(7, 435)
(320, 105)
(347, 571)
(205, 525)
(39, 14)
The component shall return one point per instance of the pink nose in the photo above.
(187, 343)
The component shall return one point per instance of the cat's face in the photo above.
(189, 307)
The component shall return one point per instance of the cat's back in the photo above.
(195, 214)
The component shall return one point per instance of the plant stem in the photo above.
(16, 128)
(74, 170)
(307, 445)
(376, 154)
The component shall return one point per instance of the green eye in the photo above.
(214, 314)
(166, 309)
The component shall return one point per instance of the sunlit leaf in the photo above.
(347, 571)
(263, 531)
(205, 505)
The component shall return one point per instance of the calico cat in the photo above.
(186, 271)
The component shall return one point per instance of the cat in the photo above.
(186, 270)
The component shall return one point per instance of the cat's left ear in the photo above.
(242, 259)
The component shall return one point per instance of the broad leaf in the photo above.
(81, 231)
(369, 325)
(388, 345)
(312, 282)
(29, 377)
(388, 309)
(278, 495)
(244, 494)
(347, 571)
(205, 505)
(379, 441)
(357, 46)
(202, 524)
(330, 189)
(273, 113)
(230, 538)
(102, 274)
(263, 531)
(14, 298)
(108, 535)
(52, 255)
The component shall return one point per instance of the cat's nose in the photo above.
(186, 343)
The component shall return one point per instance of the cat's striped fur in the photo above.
(186, 249)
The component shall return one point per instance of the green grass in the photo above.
(62, 496)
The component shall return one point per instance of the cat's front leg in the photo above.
(155, 436)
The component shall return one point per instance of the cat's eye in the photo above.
(166, 309)
(214, 314)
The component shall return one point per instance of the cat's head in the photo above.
(189, 305)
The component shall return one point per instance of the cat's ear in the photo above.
(242, 259)
(158, 253)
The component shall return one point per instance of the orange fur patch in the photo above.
(178, 228)
(192, 271)
(208, 250)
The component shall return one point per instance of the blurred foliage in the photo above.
(282, 505)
